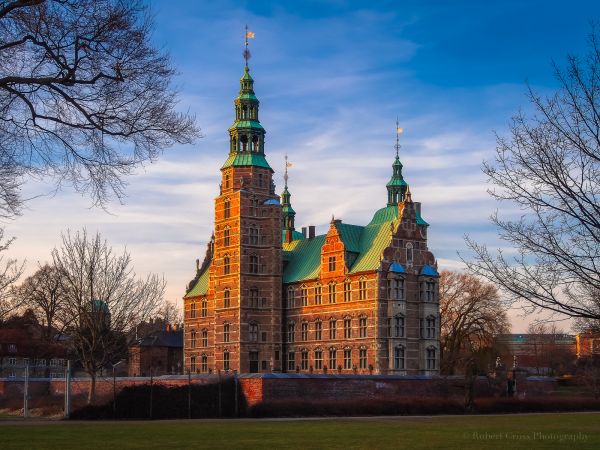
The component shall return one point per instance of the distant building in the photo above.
(588, 344)
(23, 347)
(158, 353)
(357, 299)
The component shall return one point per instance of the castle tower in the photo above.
(245, 281)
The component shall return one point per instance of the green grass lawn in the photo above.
(549, 431)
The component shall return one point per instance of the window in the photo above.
(399, 326)
(318, 330)
(332, 263)
(290, 297)
(254, 332)
(193, 364)
(253, 236)
(396, 289)
(205, 338)
(226, 208)
(304, 296)
(254, 296)
(362, 289)
(430, 327)
(193, 339)
(362, 358)
(331, 292)
(318, 359)
(227, 179)
(204, 309)
(347, 328)
(226, 265)
(226, 298)
(399, 358)
(389, 327)
(318, 297)
(304, 360)
(227, 237)
(332, 358)
(428, 291)
(204, 364)
(305, 331)
(332, 328)
(347, 291)
(409, 254)
(431, 358)
(347, 358)
(12, 348)
(193, 311)
(291, 361)
(260, 179)
(225, 332)
(226, 360)
(291, 332)
(400, 289)
(254, 267)
(362, 327)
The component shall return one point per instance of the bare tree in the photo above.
(549, 167)
(471, 316)
(10, 272)
(44, 292)
(104, 299)
(84, 96)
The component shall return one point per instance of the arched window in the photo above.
(193, 311)
(193, 339)
(347, 328)
(318, 359)
(409, 254)
(253, 265)
(347, 358)
(318, 330)
(362, 326)
(226, 332)
(332, 328)
(347, 291)
(253, 332)
(291, 332)
(431, 358)
(204, 363)
(227, 236)
(399, 360)
(332, 358)
(227, 298)
(399, 326)
(193, 364)
(290, 297)
(226, 208)
(204, 309)
(318, 293)
(362, 289)
(304, 331)
(430, 328)
(226, 360)
(253, 235)
(205, 338)
(332, 288)
(362, 358)
(226, 265)
(254, 298)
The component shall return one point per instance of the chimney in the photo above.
(311, 231)
(304, 231)
(418, 207)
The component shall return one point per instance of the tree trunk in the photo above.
(92, 391)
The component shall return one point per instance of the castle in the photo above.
(268, 298)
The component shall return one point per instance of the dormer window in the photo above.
(332, 263)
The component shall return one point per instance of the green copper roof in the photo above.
(246, 159)
(394, 181)
(386, 214)
(246, 124)
(246, 96)
(350, 234)
(373, 241)
(304, 259)
(420, 220)
(201, 286)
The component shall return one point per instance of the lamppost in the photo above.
(115, 390)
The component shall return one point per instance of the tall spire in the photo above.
(396, 187)
(246, 135)
(286, 206)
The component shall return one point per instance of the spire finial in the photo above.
(249, 35)
(398, 133)
(285, 175)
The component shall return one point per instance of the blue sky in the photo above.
(332, 77)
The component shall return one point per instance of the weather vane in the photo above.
(249, 35)
(285, 175)
(399, 131)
